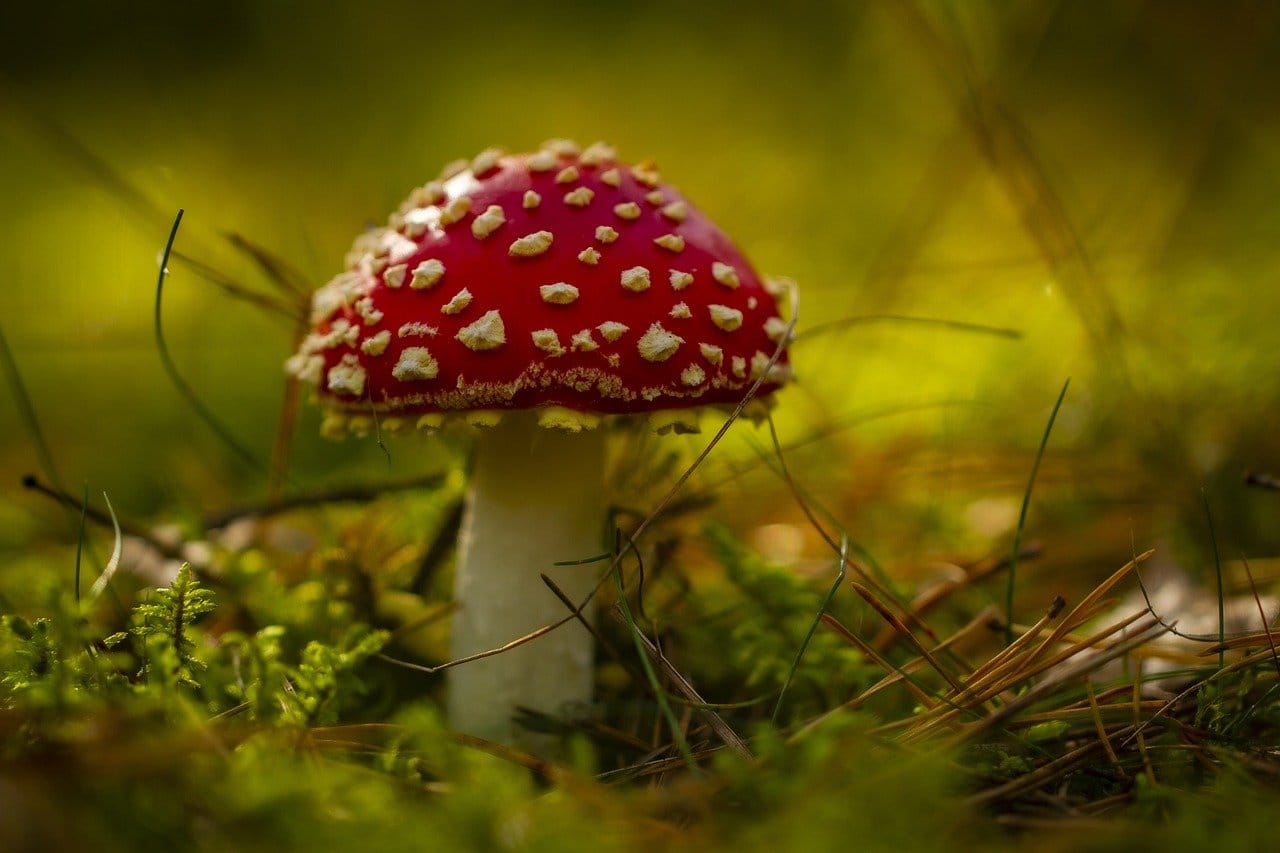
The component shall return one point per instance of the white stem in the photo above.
(537, 498)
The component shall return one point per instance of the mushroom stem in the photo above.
(537, 498)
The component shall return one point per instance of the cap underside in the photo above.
(342, 424)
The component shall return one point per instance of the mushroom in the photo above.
(532, 296)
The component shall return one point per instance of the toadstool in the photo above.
(532, 296)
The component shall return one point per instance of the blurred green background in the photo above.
(1102, 177)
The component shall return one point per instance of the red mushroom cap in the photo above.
(560, 278)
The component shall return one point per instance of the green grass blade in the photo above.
(84, 511)
(652, 677)
(171, 369)
(1022, 516)
(114, 563)
(817, 620)
(1217, 567)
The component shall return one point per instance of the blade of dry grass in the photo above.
(1000, 662)
(1086, 711)
(896, 674)
(1075, 617)
(979, 623)
(920, 694)
(899, 626)
(1139, 738)
(804, 503)
(1196, 687)
(1005, 678)
(286, 278)
(736, 469)
(1258, 640)
(695, 700)
(487, 653)
(939, 593)
(1146, 633)
(659, 695)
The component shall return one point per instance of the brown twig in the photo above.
(1262, 481)
(103, 519)
(344, 494)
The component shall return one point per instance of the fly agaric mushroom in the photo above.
(538, 290)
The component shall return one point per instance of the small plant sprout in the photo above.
(534, 296)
